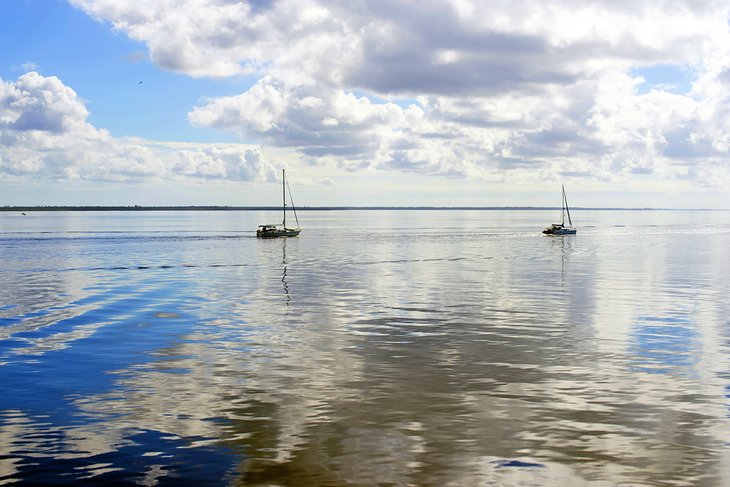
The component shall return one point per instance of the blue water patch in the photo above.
(144, 458)
(661, 345)
(77, 355)
(10, 344)
(673, 78)
(18, 319)
(516, 464)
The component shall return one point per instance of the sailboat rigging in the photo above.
(560, 228)
(276, 230)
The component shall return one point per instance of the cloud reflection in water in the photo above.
(412, 357)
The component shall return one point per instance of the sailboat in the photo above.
(276, 230)
(560, 228)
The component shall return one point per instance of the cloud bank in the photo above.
(516, 92)
(44, 134)
(499, 90)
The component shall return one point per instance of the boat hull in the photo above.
(558, 229)
(561, 232)
(286, 232)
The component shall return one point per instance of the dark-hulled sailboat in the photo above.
(276, 230)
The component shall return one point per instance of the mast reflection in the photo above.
(283, 276)
(565, 246)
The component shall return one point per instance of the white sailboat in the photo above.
(560, 228)
(276, 230)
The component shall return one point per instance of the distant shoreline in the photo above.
(326, 208)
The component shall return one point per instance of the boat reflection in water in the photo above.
(283, 276)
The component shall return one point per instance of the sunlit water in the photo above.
(378, 348)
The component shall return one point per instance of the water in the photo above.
(378, 348)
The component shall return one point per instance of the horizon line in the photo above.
(320, 208)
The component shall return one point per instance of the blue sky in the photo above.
(442, 103)
(667, 77)
(105, 67)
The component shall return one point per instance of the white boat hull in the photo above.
(558, 229)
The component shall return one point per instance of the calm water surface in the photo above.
(378, 348)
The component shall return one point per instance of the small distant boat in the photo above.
(560, 228)
(276, 230)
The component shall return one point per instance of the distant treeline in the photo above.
(303, 208)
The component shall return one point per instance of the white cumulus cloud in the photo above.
(44, 133)
(500, 90)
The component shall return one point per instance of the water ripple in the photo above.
(447, 349)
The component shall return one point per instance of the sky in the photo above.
(393, 103)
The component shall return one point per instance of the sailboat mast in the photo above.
(562, 206)
(283, 193)
(565, 199)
